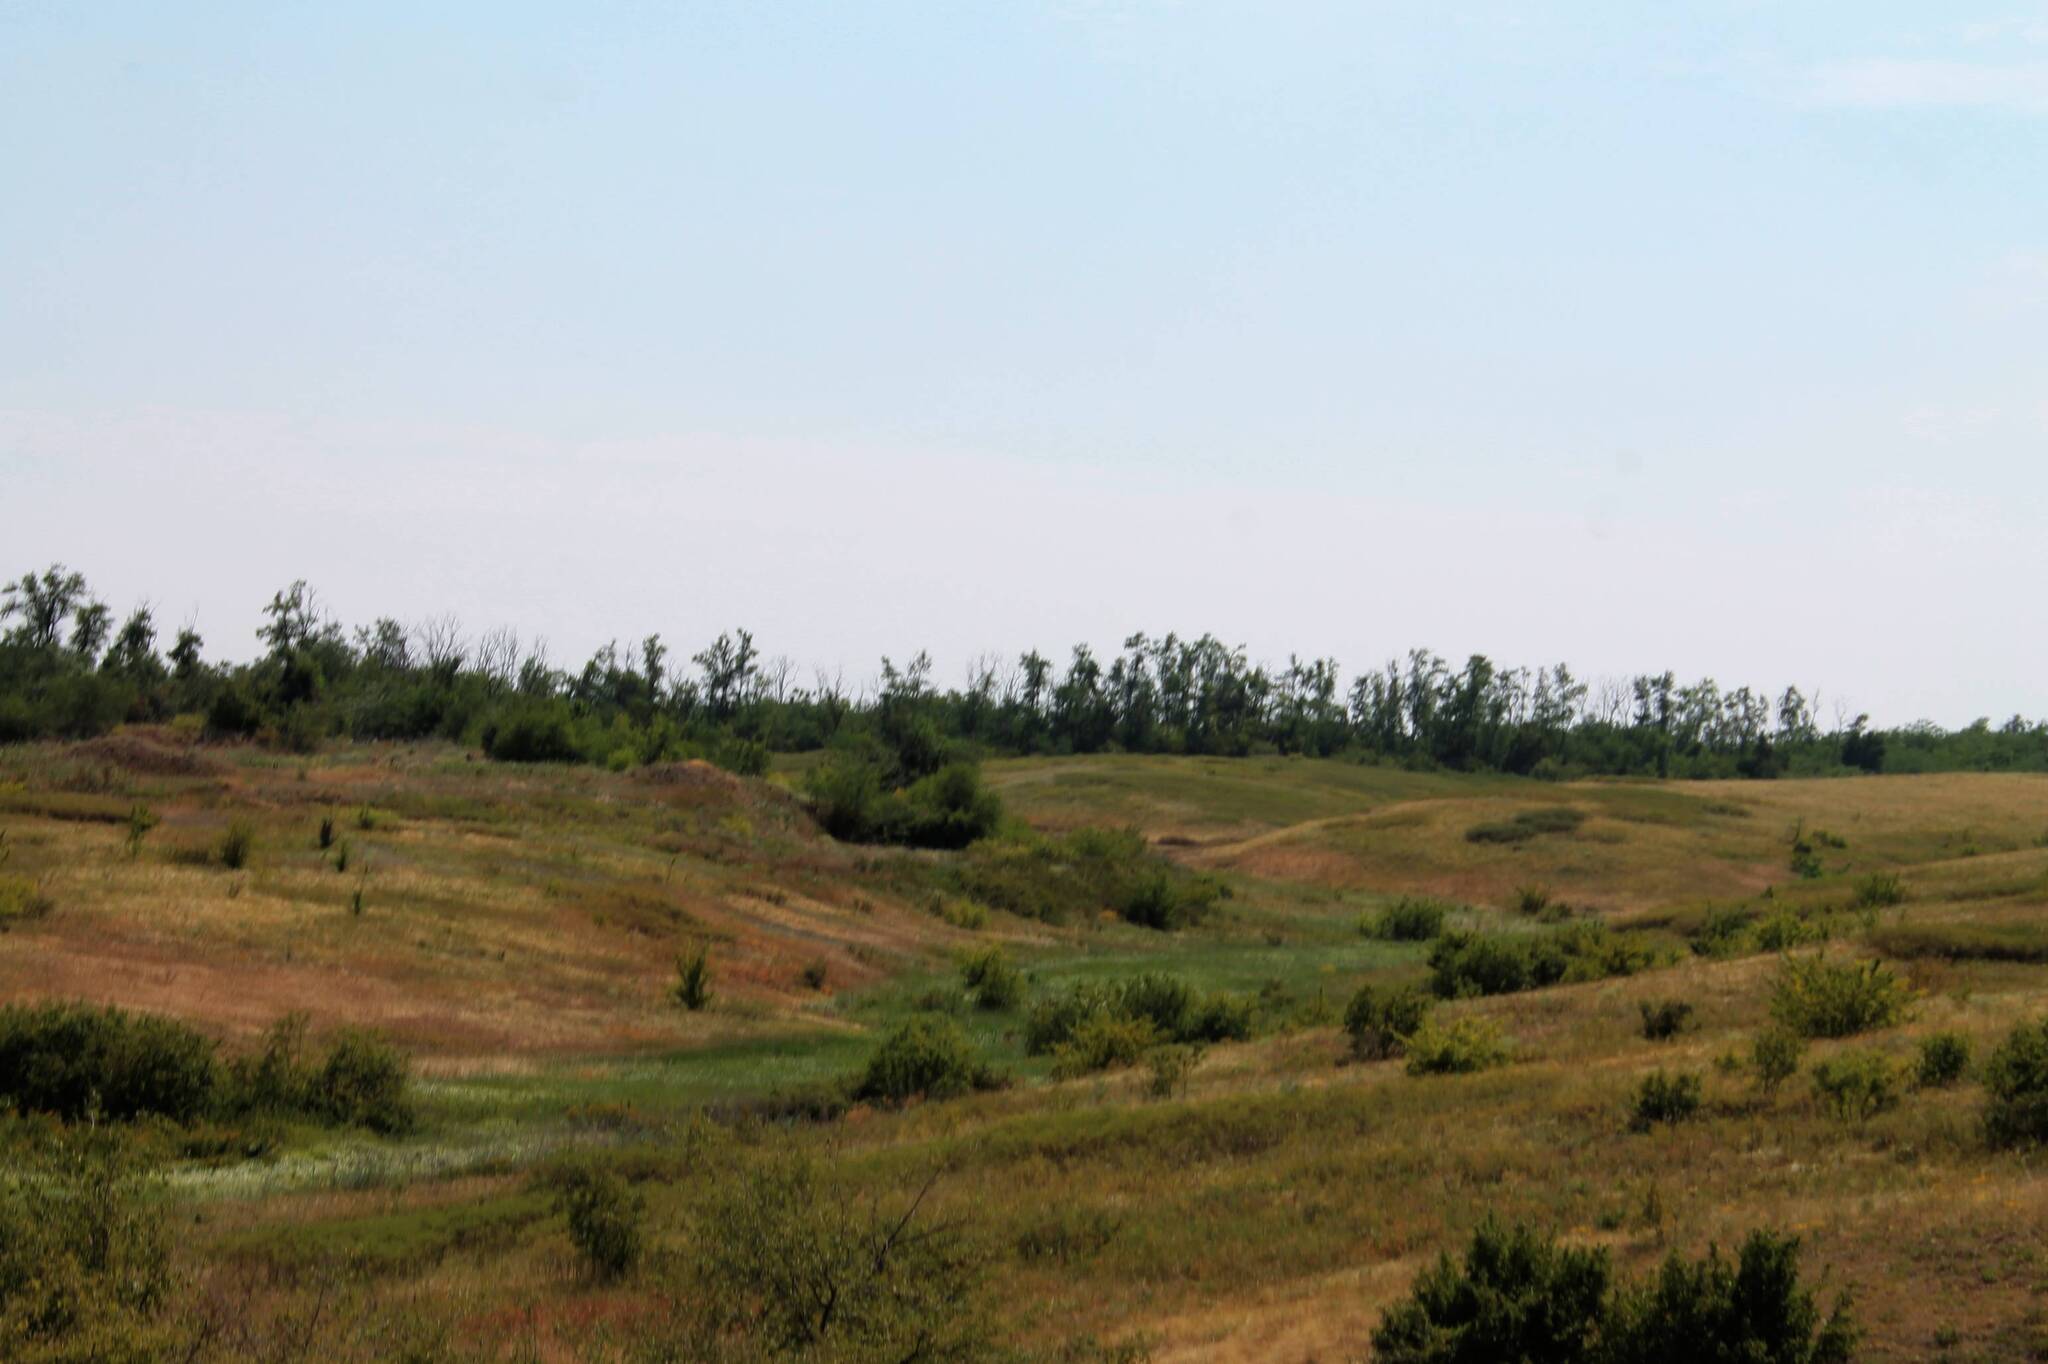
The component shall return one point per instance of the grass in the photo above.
(520, 931)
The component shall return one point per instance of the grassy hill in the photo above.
(517, 929)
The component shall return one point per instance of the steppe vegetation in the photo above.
(316, 1044)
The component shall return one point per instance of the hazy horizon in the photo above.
(1709, 341)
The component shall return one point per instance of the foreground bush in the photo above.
(2016, 1076)
(927, 1057)
(1519, 1296)
(1942, 1060)
(950, 808)
(1379, 1022)
(992, 982)
(1078, 875)
(1817, 998)
(603, 1218)
(1665, 1019)
(84, 1265)
(74, 1061)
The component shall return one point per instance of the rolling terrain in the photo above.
(517, 928)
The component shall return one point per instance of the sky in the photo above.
(1709, 336)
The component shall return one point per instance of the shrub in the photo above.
(1786, 929)
(1158, 898)
(1467, 1045)
(1856, 1085)
(1171, 1067)
(22, 900)
(1407, 920)
(364, 1082)
(1170, 1010)
(604, 1220)
(1521, 1296)
(992, 982)
(1665, 1019)
(1723, 932)
(801, 1270)
(85, 1272)
(72, 1060)
(1775, 1057)
(1533, 900)
(1380, 1022)
(326, 831)
(1878, 890)
(1664, 1098)
(2023, 942)
(1818, 998)
(1943, 1059)
(1550, 819)
(1465, 964)
(692, 989)
(927, 1057)
(814, 973)
(1104, 1041)
(2016, 1077)
(532, 732)
(1515, 1296)
(1750, 1309)
(236, 845)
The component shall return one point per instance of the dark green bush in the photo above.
(1168, 1008)
(1467, 964)
(531, 732)
(73, 1060)
(1515, 1296)
(1664, 1098)
(236, 845)
(603, 1217)
(1664, 1019)
(1879, 890)
(1943, 1059)
(1379, 1022)
(1409, 919)
(692, 989)
(1519, 1296)
(2016, 1079)
(364, 1082)
(928, 1058)
(1715, 1310)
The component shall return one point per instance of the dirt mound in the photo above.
(145, 756)
(694, 775)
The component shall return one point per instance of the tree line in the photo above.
(70, 669)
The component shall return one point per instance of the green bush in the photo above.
(1170, 1068)
(1407, 920)
(1856, 1085)
(1818, 998)
(692, 989)
(992, 982)
(1664, 1098)
(603, 1217)
(950, 808)
(1379, 1022)
(1465, 1046)
(1515, 1296)
(1520, 1296)
(364, 1082)
(1169, 1008)
(74, 1061)
(1713, 1310)
(2021, 942)
(928, 1058)
(1664, 1019)
(1787, 929)
(1775, 1057)
(2016, 1079)
(1104, 1041)
(236, 845)
(531, 732)
(85, 1270)
(1467, 964)
(1943, 1059)
(1724, 931)
(1879, 890)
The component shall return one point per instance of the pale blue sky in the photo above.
(1707, 336)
